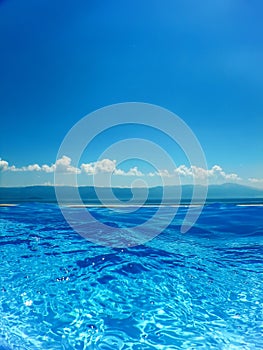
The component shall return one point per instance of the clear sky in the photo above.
(61, 60)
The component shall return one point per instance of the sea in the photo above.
(202, 289)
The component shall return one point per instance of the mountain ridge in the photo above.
(42, 193)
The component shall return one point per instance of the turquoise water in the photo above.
(199, 290)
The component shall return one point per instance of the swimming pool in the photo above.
(199, 290)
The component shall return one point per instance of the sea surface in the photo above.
(198, 290)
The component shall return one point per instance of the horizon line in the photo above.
(129, 187)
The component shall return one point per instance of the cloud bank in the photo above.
(64, 166)
(255, 181)
(216, 173)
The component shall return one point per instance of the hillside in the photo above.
(225, 192)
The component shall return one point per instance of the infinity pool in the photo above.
(199, 290)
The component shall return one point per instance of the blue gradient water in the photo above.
(200, 290)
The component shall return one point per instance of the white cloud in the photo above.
(108, 166)
(48, 169)
(88, 168)
(119, 172)
(101, 166)
(216, 173)
(151, 174)
(33, 167)
(63, 165)
(183, 170)
(3, 165)
(163, 173)
(256, 181)
(134, 172)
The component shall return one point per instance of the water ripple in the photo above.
(201, 290)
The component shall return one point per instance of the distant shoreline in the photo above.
(112, 205)
(175, 195)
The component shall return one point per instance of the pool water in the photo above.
(199, 290)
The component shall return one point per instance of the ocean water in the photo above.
(199, 290)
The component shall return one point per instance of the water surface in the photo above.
(200, 290)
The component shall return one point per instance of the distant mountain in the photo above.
(230, 190)
(226, 192)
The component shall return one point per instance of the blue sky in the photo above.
(61, 60)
